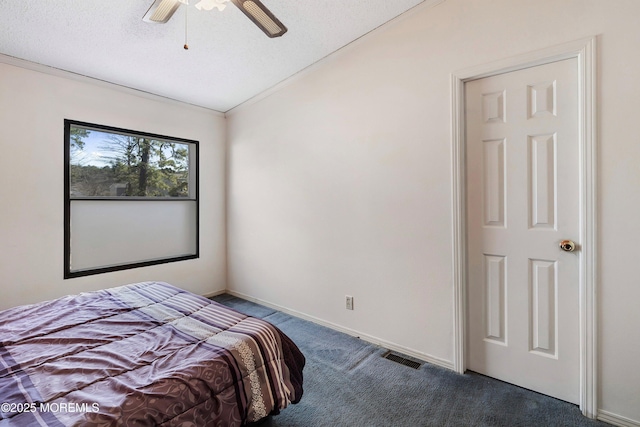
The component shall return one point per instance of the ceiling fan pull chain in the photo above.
(186, 25)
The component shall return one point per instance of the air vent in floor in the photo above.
(401, 360)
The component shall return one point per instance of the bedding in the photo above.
(141, 355)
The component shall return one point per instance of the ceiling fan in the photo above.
(162, 10)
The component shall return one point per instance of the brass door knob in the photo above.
(567, 246)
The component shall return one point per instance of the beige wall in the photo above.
(33, 106)
(339, 181)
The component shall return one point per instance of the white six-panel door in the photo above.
(522, 157)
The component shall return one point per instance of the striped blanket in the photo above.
(142, 355)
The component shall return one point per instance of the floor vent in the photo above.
(401, 360)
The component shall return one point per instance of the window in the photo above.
(131, 199)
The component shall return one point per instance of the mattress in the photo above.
(141, 355)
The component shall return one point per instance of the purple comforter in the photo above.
(141, 355)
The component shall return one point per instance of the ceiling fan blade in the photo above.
(262, 17)
(161, 11)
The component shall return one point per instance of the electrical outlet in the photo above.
(349, 302)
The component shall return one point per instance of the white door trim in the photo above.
(584, 50)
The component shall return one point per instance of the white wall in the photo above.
(339, 182)
(33, 106)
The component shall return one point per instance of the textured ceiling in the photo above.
(229, 60)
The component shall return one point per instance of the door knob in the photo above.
(567, 245)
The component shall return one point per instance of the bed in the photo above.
(141, 355)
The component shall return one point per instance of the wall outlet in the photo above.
(349, 302)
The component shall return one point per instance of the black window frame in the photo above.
(68, 273)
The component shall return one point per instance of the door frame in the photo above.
(584, 51)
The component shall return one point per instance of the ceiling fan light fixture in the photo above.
(161, 10)
(262, 17)
(210, 4)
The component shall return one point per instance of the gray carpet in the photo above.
(348, 383)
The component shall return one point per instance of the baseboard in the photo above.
(214, 294)
(616, 420)
(369, 338)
